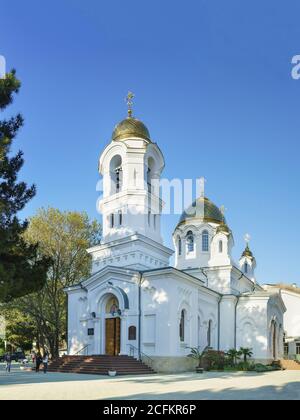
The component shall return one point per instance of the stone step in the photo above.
(290, 364)
(124, 365)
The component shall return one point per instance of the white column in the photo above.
(123, 349)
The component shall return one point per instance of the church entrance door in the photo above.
(112, 336)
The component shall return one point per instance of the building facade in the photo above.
(136, 303)
(291, 321)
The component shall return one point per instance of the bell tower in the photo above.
(131, 167)
(247, 261)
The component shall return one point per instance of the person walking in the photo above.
(45, 362)
(38, 361)
(8, 362)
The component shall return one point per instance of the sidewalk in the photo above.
(270, 386)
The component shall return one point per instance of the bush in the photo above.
(260, 368)
(242, 366)
(214, 359)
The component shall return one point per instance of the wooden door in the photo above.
(112, 336)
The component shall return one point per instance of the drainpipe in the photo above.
(205, 275)
(219, 318)
(140, 314)
(235, 321)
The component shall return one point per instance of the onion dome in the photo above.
(202, 210)
(247, 252)
(130, 127)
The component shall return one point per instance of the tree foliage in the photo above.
(64, 238)
(21, 269)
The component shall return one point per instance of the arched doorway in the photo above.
(112, 326)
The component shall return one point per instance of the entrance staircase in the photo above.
(290, 364)
(100, 365)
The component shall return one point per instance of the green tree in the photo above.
(245, 352)
(234, 356)
(64, 238)
(21, 270)
(20, 329)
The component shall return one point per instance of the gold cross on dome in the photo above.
(247, 238)
(223, 210)
(129, 100)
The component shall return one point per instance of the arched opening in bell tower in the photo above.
(116, 174)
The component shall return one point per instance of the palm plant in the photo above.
(197, 354)
(246, 352)
(234, 355)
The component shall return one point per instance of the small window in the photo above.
(154, 221)
(190, 242)
(149, 218)
(132, 333)
(112, 220)
(179, 246)
(246, 267)
(205, 241)
(182, 326)
(297, 348)
(120, 218)
(221, 247)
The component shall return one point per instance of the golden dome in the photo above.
(203, 210)
(130, 127)
(247, 252)
(223, 228)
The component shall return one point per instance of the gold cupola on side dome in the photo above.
(130, 127)
(202, 210)
(247, 252)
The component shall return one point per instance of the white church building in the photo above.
(135, 303)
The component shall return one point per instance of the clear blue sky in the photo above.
(212, 82)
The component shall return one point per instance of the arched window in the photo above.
(112, 220)
(179, 246)
(182, 325)
(154, 221)
(149, 218)
(221, 247)
(205, 243)
(116, 174)
(132, 333)
(120, 218)
(190, 243)
(246, 266)
(209, 333)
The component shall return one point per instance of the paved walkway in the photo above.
(272, 386)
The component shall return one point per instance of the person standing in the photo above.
(45, 362)
(8, 362)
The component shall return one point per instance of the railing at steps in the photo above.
(84, 350)
(139, 355)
